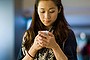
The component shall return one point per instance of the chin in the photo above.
(47, 25)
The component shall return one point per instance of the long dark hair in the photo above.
(61, 29)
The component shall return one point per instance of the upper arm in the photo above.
(71, 46)
(22, 52)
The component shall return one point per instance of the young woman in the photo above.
(49, 36)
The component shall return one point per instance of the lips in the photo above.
(47, 21)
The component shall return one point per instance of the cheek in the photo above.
(54, 17)
(41, 17)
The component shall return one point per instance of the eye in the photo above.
(42, 11)
(52, 11)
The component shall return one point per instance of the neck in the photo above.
(50, 29)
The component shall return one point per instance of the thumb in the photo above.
(50, 34)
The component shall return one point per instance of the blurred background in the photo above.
(16, 16)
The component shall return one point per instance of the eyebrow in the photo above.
(52, 8)
(49, 8)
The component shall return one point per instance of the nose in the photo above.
(47, 15)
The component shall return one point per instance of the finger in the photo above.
(41, 40)
(43, 35)
(42, 44)
(50, 34)
(39, 45)
(36, 36)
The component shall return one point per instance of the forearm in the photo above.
(59, 54)
(32, 52)
(27, 57)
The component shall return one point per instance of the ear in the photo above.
(59, 10)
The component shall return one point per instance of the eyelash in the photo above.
(42, 11)
(50, 11)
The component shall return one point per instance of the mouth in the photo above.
(47, 21)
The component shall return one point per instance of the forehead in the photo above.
(46, 4)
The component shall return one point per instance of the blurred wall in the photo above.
(76, 6)
(27, 4)
(6, 29)
(77, 13)
(19, 26)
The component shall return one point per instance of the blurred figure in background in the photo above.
(81, 42)
(86, 51)
(27, 16)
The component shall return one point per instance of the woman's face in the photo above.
(47, 12)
